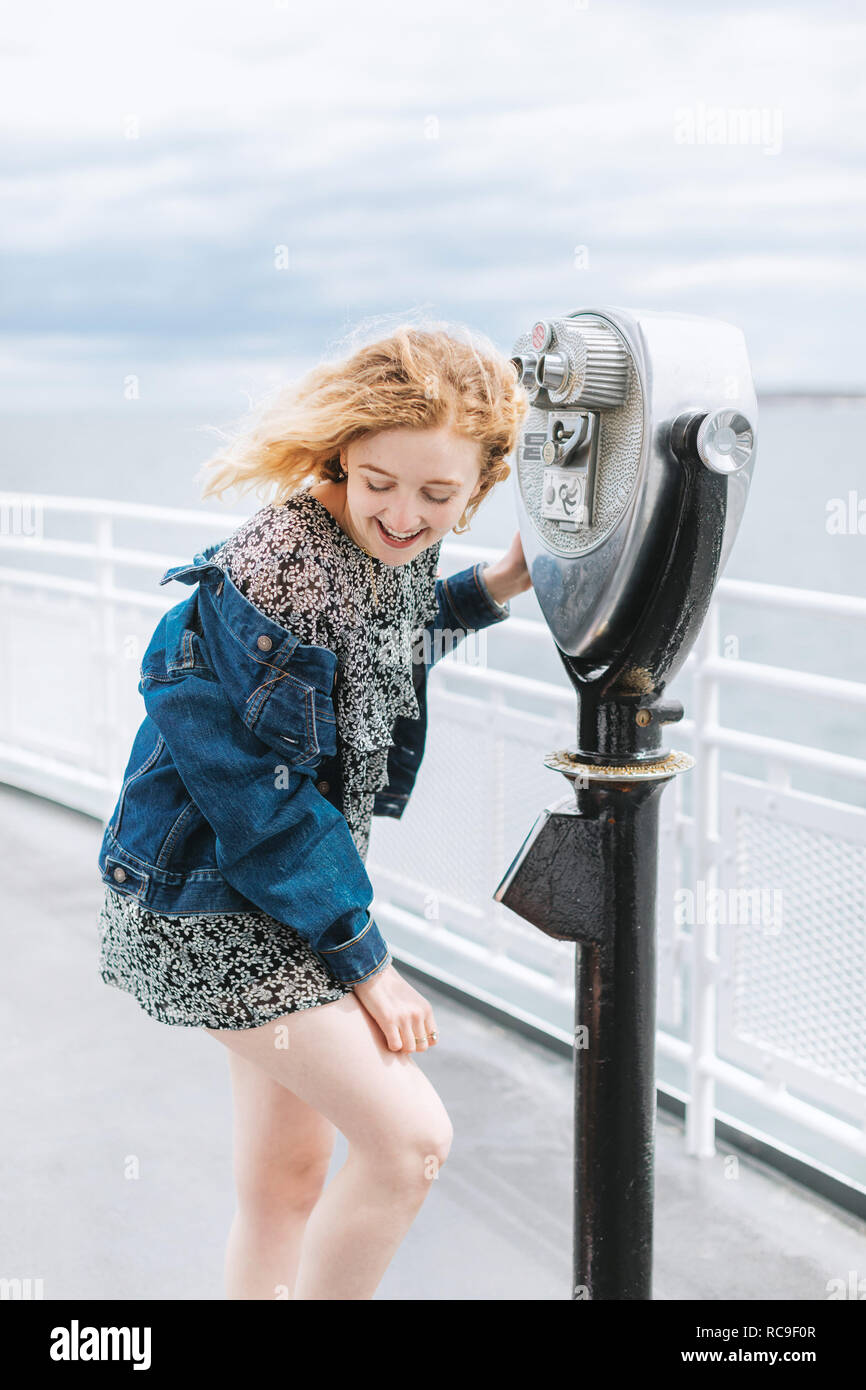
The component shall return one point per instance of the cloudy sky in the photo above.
(204, 197)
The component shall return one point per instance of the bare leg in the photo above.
(282, 1151)
(335, 1060)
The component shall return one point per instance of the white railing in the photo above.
(772, 1018)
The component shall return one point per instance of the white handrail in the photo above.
(136, 511)
(780, 596)
(781, 678)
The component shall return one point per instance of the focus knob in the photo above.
(723, 440)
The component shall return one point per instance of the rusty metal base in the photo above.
(572, 766)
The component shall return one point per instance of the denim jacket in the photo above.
(231, 796)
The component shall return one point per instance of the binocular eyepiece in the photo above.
(585, 366)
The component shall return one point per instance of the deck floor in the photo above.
(88, 1078)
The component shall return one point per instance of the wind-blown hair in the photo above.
(420, 376)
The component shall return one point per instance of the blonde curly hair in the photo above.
(417, 375)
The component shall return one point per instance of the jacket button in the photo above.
(264, 643)
(120, 875)
(324, 787)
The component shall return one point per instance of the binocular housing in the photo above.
(633, 469)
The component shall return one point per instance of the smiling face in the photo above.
(415, 482)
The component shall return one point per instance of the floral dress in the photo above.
(298, 566)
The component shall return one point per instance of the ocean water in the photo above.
(809, 482)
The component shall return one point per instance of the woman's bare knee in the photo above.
(408, 1157)
(432, 1142)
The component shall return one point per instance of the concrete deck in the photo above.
(88, 1078)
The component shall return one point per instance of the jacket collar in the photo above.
(202, 562)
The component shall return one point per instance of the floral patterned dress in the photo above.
(298, 566)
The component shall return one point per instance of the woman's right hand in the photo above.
(401, 1012)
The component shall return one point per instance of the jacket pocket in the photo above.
(146, 751)
(298, 719)
(188, 847)
(189, 655)
(290, 715)
(185, 647)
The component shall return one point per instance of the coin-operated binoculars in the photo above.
(632, 474)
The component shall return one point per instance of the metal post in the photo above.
(587, 873)
(614, 1053)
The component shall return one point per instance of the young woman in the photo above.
(285, 706)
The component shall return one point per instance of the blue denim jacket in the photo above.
(231, 796)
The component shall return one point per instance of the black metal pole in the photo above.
(586, 873)
(614, 1053)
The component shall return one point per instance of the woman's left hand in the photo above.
(509, 575)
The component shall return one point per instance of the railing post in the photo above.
(496, 841)
(700, 1108)
(108, 725)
